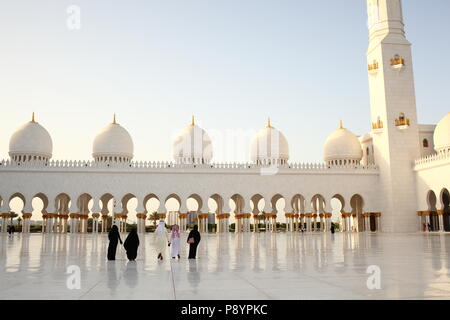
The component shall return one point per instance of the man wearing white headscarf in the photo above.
(161, 239)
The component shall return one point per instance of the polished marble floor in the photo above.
(232, 266)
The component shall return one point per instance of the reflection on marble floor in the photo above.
(230, 266)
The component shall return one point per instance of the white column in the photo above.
(104, 222)
(441, 221)
(26, 223)
(50, 224)
(63, 228)
(60, 223)
(4, 224)
(94, 225)
(143, 224)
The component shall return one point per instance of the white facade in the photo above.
(389, 179)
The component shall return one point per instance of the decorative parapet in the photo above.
(432, 161)
(161, 166)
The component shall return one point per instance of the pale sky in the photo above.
(230, 63)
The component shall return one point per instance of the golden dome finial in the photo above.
(193, 121)
(268, 123)
(340, 125)
(32, 118)
(114, 119)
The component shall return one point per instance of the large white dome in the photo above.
(31, 142)
(113, 143)
(192, 146)
(442, 135)
(269, 146)
(342, 147)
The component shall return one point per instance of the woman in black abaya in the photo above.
(114, 238)
(131, 245)
(193, 240)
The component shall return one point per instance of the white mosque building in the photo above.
(395, 178)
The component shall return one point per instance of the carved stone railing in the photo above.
(79, 165)
(432, 161)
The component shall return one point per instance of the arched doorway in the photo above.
(298, 204)
(337, 209)
(237, 206)
(318, 205)
(258, 203)
(357, 204)
(216, 205)
(194, 203)
(445, 198)
(16, 205)
(433, 217)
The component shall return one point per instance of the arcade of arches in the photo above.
(437, 217)
(254, 214)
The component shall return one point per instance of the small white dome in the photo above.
(31, 141)
(442, 135)
(113, 143)
(269, 146)
(342, 145)
(192, 145)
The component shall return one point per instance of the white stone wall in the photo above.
(183, 182)
(433, 174)
(368, 149)
(426, 132)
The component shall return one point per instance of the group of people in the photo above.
(11, 230)
(163, 240)
(426, 226)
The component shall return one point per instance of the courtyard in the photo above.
(230, 266)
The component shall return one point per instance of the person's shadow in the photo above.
(131, 274)
(112, 279)
(193, 275)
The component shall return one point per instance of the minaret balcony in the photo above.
(402, 124)
(373, 68)
(377, 127)
(397, 63)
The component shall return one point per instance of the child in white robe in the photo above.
(175, 242)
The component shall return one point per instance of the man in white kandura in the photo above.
(175, 242)
(161, 239)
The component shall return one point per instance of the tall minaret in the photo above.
(394, 116)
